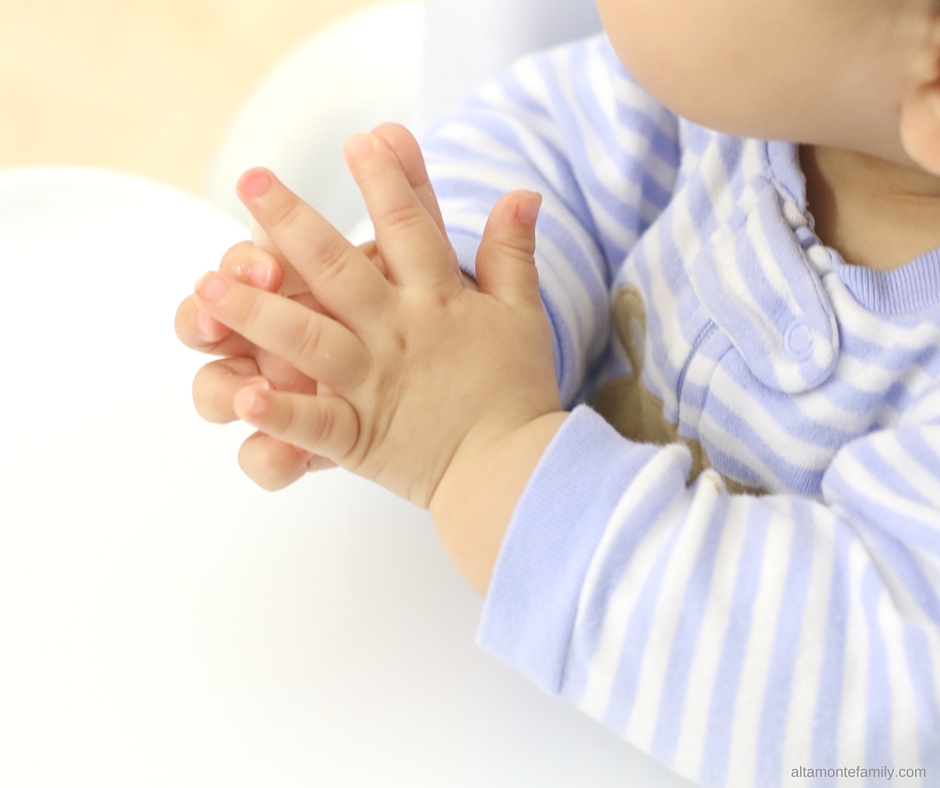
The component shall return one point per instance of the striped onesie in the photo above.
(742, 578)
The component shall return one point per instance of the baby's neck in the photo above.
(875, 213)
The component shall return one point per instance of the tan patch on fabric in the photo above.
(631, 408)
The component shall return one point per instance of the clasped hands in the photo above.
(377, 358)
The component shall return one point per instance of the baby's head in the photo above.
(862, 75)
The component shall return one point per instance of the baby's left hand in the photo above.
(426, 374)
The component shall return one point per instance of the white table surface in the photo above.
(163, 622)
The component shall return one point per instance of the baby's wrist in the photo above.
(478, 493)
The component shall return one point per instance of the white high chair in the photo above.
(163, 621)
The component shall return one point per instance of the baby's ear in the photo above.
(920, 109)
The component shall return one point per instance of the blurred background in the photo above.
(148, 87)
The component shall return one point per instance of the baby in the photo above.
(660, 351)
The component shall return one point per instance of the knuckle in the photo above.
(238, 264)
(189, 331)
(517, 248)
(287, 214)
(258, 461)
(207, 396)
(286, 418)
(265, 454)
(324, 423)
(331, 259)
(309, 337)
(185, 323)
(252, 311)
(404, 217)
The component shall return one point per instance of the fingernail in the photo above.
(210, 329)
(259, 275)
(528, 209)
(211, 288)
(260, 383)
(255, 184)
(252, 400)
(359, 145)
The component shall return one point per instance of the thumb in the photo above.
(506, 257)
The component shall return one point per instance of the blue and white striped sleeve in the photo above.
(735, 638)
(571, 124)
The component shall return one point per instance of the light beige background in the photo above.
(144, 86)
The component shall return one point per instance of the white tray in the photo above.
(165, 623)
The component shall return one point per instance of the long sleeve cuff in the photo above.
(560, 518)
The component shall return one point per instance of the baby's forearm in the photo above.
(475, 499)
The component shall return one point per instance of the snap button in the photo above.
(819, 256)
(798, 342)
(806, 237)
(793, 214)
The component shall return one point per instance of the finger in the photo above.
(198, 330)
(240, 261)
(293, 283)
(315, 344)
(253, 265)
(274, 465)
(408, 237)
(343, 279)
(406, 149)
(283, 376)
(325, 426)
(506, 257)
(190, 330)
(247, 264)
(408, 152)
(217, 383)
